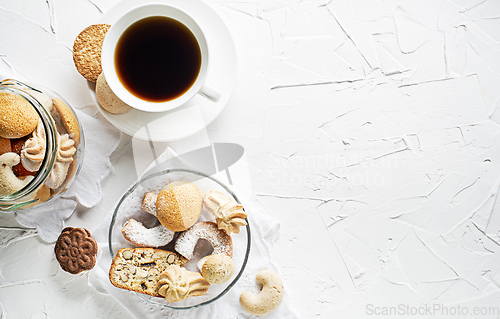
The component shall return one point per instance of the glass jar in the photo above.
(43, 164)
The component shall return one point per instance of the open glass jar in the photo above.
(37, 167)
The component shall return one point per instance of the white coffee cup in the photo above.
(108, 58)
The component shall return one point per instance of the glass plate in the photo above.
(129, 206)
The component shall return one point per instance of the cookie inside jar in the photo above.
(41, 145)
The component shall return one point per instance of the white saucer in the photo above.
(199, 112)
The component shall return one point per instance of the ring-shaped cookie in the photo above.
(218, 238)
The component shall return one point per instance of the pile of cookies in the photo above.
(151, 270)
(87, 58)
(23, 142)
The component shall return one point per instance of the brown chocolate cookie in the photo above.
(75, 250)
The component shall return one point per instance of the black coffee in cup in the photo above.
(157, 59)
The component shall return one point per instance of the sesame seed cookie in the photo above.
(87, 51)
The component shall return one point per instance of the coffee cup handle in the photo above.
(210, 93)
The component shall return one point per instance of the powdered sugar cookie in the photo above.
(136, 233)
(218, 238)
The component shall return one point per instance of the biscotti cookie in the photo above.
(139, 269)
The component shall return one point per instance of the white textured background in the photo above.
(371, 134)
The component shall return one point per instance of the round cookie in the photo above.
(217, 269)
(19, 118)
(87, 51)
(75, 250)
(68, 120)
(179, 205)
(108, 99)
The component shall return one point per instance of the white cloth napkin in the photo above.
(265, 232)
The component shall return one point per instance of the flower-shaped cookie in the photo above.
(177, 284)
(228, 213)
(76, 250)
